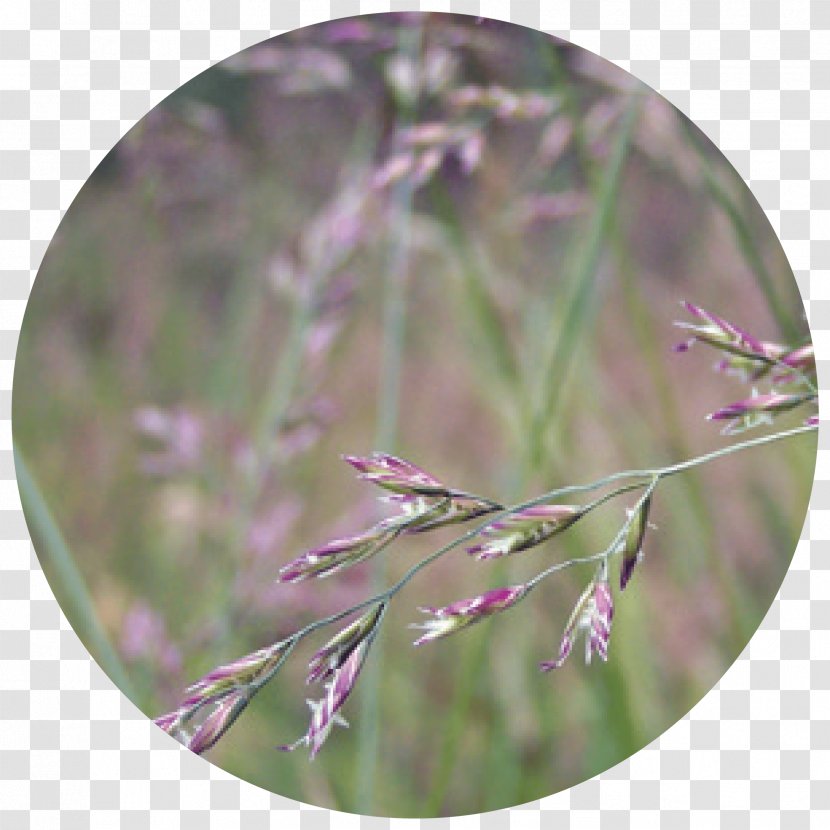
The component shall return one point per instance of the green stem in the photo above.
(612, 548)
(612, 495)
(646, 475)
(57, 559)
(674, 469)
(649, 479)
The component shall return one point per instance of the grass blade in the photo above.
(576, 313)
(57, 560)
(478, 303)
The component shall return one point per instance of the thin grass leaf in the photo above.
(57, 559)
(575, 316)
(478, 303)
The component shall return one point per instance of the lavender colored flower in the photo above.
(394, 169)
(632, 547)
(425, 502)
(802, 360)
(542, 208)
(524, 529)
(466, 612)
(269, 531)
(722, 335)
(218, 721)
(350, 30)
(426, 164)
(783, 364)
(396, 475)
(756, 410)
(747, 356)
(169, 721)
(140, 631)
(555, 140)
(144, 636)
(339, 553)
(503, 103)
(180, 435)
(420, 514)
(228, 689)
(298, 70)
(431, 134)
(337, 651)
(325, 713)
(239, 673)
(469, 153)
(592, 614)
(751, 367)
(420, 150)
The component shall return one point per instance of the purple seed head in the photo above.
(325, 713)
(503, 103)
(338, 554)
(337, 651)
(722, 335)
(218, 721)
(524, 529)
(224, 679)
(424, 501)
(632, 551)
(592, 615)
(466, 612)
(803, 358)
(395, 474)
(421, 514)
(772, 403)
(179, 435)
(169, 721)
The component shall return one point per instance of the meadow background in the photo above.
(322, 246)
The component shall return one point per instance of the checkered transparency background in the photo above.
(75, 75)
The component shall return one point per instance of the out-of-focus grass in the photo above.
(176, 281)
(535, 416)
(393, 344)
(57, 560)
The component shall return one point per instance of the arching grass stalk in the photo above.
(229, 688)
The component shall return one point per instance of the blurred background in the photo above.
(454, 239)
